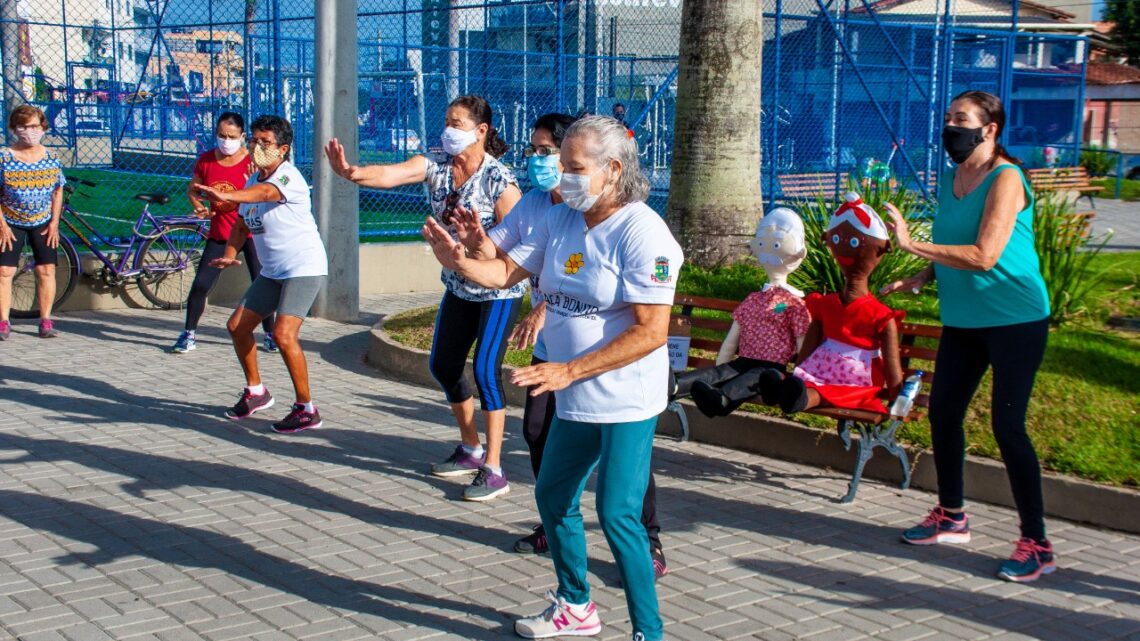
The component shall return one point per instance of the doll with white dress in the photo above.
(768, 327)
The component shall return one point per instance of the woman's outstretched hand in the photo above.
(222, 262)
(448, 252)
(544, 377)
(897, 224)
(334, 151)
(471, 233)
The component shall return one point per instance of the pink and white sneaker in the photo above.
(560, 620)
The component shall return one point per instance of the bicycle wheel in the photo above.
(24, 303)
(169, 263)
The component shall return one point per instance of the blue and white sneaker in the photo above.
(939, 527)
(270, 345)
(1029, 561)
(185, 343)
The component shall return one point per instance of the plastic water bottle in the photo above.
(911, 386)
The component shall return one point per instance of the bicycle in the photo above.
(161, 256)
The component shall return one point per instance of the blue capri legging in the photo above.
(459, 325)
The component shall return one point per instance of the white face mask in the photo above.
(576, 191)
(229, 146)
(28, 137)
(456, 140)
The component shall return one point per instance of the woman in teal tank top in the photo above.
(995, 313)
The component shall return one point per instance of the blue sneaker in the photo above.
(270, 345)
(938, 527)
(1029, 561)
(185, 343)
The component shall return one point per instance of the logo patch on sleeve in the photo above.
(284, 180)
(661, 270)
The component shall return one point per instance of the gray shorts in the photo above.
(288, 296)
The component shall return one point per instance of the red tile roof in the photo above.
(1111, 73)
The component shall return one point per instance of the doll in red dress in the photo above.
(852, 346)
(767, 327)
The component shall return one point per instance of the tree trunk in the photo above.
(13, 80)
(714, 192)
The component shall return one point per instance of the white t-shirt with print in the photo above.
(516, 226)
(591, 279)
(479, 193)
(284, 231)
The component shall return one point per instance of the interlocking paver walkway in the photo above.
(130, 509)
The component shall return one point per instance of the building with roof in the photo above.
(1112, 106)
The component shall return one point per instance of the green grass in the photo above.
(1129, 189)
(112, 208)
(1084, 417)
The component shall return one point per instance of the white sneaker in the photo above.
(560, 620)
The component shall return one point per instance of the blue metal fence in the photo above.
(132, 86)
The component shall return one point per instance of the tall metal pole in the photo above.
(336, 201)
(12, 79)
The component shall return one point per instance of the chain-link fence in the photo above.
(132, 87)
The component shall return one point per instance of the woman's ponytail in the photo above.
(495, 144)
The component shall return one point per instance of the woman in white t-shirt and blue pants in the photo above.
(467, 175)
(608, 268)
(276, 210)
(544, 170)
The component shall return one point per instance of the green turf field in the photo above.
(111, 208)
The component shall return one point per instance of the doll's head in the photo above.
(779, 243)
(857, 238)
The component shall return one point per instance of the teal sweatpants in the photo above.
(621, 452)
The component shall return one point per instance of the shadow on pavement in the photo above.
(196, 547)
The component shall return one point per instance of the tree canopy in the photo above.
(1126, 33)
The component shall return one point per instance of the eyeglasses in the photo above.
(28, 127)
(253, 142)
(541, 151)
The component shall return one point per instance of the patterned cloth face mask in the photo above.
(264, 156)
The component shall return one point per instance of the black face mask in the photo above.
(960, 142)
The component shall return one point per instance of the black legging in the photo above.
(460, 324)
(1015, 352)
(206, 277)
(538, 412)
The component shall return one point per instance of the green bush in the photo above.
(1066, 253)
(1098, 162)
(820, 272)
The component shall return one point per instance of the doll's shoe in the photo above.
(710, 401)
(793, 395)
(769, 386)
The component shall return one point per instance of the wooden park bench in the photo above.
(825, 185)
(1065, 179)
(709, 320)
(809, 186)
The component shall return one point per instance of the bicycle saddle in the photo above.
(153, 197)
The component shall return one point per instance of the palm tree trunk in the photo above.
(714, 192)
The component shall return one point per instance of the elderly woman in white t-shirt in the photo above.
(607, 266)
(276, 211)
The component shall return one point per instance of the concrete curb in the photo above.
(1065, 497)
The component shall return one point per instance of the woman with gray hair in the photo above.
(607, 266)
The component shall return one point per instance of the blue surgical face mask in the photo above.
(543, 172)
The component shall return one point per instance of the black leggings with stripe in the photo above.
(461, 324)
